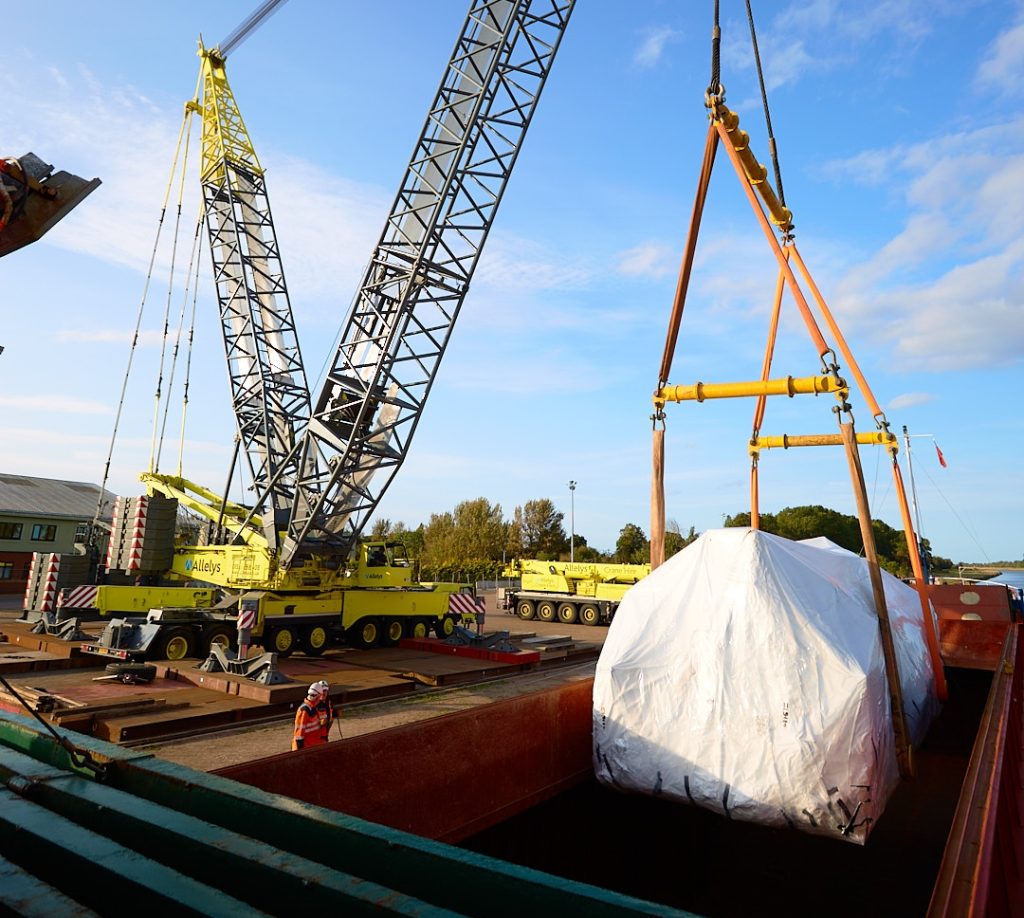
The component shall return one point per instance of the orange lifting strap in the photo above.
(769, 209)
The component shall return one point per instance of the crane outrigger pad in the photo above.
(39, 197)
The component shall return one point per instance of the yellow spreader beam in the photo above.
(875, 438)
(757, 174)
(788, 385)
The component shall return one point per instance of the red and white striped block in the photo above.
(246, 619)
(138, 532)
(49, 595)
(26, 602)
(79, 597)
(465, 604)
(115, 522)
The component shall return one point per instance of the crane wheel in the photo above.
(176, 644)
(526, 610)
(590, 614)
(567, 613)
(445, 626)
(314, 640)
(418, 629)
(392, 632)
(282, 641)
(131, 673)
(546, 611)
(222, 636)
(364, 633)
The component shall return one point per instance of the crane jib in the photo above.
(399, 325)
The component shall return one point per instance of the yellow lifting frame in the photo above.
(724, 128)
(787, 441)
(756, 173)
(787, 385)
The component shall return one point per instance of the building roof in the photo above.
(22, 495)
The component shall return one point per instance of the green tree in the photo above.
(381, 529)
(465, 544)
(540, 530)
(632, 546)
(808, 522)
(439, 542)
(675, 541)
(412, 539)
(587, 553)
(480, 530)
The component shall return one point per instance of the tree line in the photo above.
(475, 540)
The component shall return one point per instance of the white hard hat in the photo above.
(318, 688)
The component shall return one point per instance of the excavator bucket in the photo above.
(33, 198)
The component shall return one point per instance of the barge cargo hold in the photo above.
(513, 780)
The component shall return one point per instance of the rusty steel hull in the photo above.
(513, 780)
(449, 777)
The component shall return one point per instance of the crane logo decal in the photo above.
(206, 567)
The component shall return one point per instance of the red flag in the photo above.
(942, 460)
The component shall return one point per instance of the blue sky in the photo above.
(900, 127)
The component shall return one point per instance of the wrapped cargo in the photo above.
(745, 675)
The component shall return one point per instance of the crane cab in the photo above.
(383, 564)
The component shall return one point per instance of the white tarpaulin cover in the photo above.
(745, 675)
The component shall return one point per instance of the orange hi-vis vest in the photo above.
(312, 724)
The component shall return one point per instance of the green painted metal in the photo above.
(262, 875)
(98, 872)
(166, 818)
(25, 894)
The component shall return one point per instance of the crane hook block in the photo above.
(757, 174)
(33, 199)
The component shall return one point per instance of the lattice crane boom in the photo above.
(270, 394)
(398, 329)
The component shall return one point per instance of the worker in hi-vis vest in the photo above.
(313, 718)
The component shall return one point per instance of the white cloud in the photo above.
(837, 32)
(147, 338)
(1002, 69)
(649, 259)
(653, 45)
(970, 316)
(513, 263)
(58, 403)
(946, 289)
(541, 372)
(910, 400)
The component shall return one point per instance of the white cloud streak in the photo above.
(946, 289)
(653, 45)
(1002, 69)
(649, 259)
(59, 403)
(910, 400)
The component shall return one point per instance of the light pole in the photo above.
(572, 521)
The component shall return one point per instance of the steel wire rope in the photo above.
(192, 274)
(153, 452)
(960, 519)
(188, 359)
(767, 115)
(80, 758)
(138, 326)
(715, 88)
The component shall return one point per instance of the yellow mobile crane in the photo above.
(569, 591)
(294, 561)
